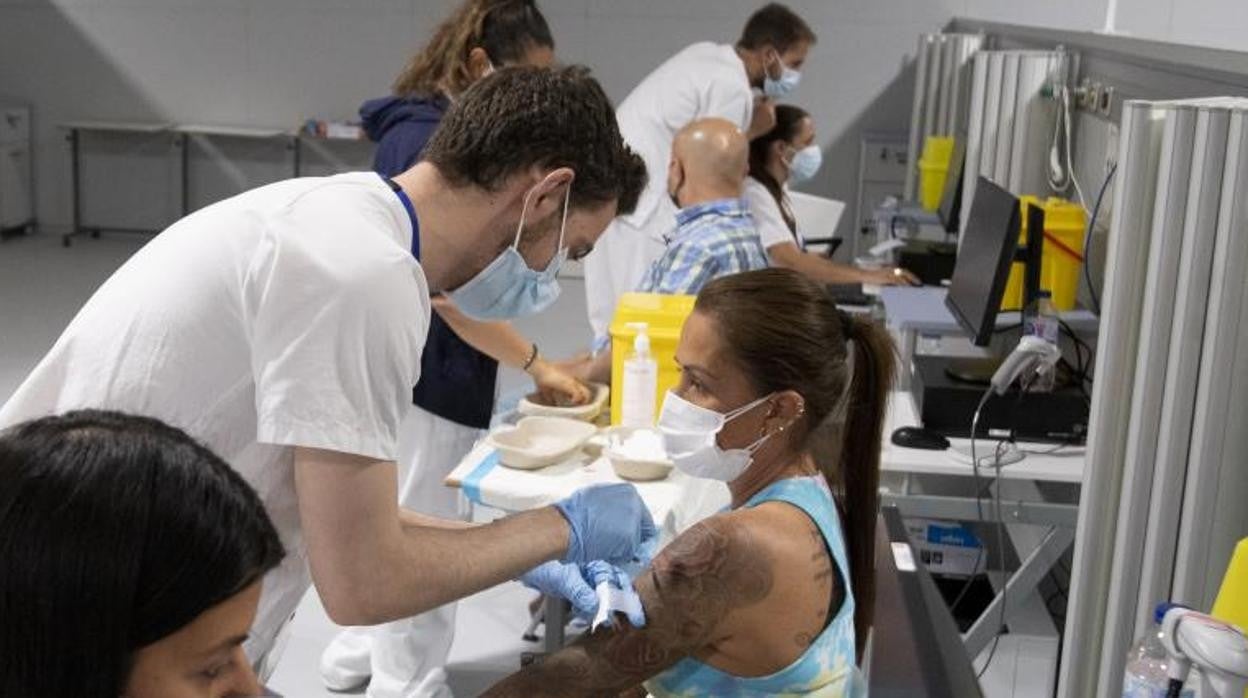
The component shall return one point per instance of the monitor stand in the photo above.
(973, 371)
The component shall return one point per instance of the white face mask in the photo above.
(805, 163)
(507, 288)
(783, 85)
(689, 433)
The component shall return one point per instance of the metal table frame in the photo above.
(182, 136)
(74, 131)
(1042, 531)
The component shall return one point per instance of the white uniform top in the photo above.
(290, 315)
(768, 219)
(705, 79)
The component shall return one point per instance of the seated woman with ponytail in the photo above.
(773, 596)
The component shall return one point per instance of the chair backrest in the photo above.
(817, 216)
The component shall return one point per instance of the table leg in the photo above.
(554, 623)
(185, 143)
(75, 197)
(296, 154)
(1019, 586)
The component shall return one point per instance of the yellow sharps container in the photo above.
(1064, 226)
(934, 170)
(664, 317)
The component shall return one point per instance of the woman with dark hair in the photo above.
(454, 398)
(774, 596)
(130, 562)
(789, 153)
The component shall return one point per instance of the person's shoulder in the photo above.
(721, 544)
(756, 193)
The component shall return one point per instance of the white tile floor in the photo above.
(42, 285)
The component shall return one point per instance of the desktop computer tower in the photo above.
(946, 406)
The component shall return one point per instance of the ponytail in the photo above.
(856, 480)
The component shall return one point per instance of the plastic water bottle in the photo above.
(1147, 663)
(1041, 320)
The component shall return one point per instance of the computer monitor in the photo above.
(989, 247)
(950, 210)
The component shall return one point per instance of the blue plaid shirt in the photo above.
(713, 239)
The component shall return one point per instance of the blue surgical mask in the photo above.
(805, 163)
(508, 288)
(786, 83)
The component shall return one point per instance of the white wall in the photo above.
(1211, 23)
(278, 62)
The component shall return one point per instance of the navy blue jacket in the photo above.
(456, 381)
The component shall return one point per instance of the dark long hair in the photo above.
(788, 122)
(785, 333)
(115, 531)
(504, 29)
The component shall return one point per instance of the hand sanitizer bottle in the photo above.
(641, 381)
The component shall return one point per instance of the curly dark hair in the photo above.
(777, 26)
(523, 117)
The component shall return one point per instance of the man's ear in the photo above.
(549, 191)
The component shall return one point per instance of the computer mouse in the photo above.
(918, 437)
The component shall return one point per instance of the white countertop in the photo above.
(1064, 465)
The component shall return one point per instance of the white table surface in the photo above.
(1066, 465)
(121, 126)
(923, 309)
(675, 502)
(234, 131)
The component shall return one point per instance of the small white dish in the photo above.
(630, 466)
(530, 407)
(536, 442)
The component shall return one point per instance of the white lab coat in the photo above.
(290, 315)
(406, 658)
(703, 80)
(768, 219)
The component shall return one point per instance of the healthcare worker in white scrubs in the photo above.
(454, 400)
(283, 329)
(703, 80)
(788, 154)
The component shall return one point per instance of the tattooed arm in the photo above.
(692, 586)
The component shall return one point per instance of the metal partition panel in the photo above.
(1126, 276)
(1011, 121)
(1007, 109)
(1214, 513)
(1169, 426)
(1183, 371)
(1152, 352)
(942, 77)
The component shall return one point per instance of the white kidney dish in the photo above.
(530, 407)
(536, 442)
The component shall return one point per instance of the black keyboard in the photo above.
(848, 294)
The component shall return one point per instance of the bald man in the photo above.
(714, 234)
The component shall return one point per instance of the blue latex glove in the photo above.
(577, 584)
(598, 572)
(607, 522)
(564, 580)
